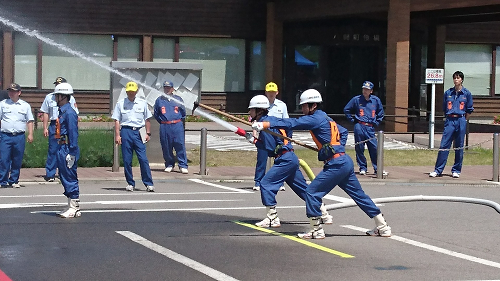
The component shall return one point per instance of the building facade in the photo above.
(243, 44)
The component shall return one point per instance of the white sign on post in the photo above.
(433, 76)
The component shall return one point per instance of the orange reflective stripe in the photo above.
(58, 129)
(335, 139)
(283, 133)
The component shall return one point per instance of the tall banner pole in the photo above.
(433, 116)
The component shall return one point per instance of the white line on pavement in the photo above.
(215, 274)
(122, 194)
(154, 201)
(220, 186)
(171, 210)
(337, 198)
(432, 248)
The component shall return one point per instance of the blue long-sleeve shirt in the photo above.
(68, 125)
(458, 103)
(322, 128)
(369, 111)
(272, 144)
(169, 110)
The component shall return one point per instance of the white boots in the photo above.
(271, 220)
(381, 229)
(316, 232)
(326, 218)
(73, 210)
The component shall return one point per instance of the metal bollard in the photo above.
(495, 157)
(116, 155)
(203, 152)
(380, 155)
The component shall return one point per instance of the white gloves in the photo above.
(258, 126)
(250, 138)
(70, 160)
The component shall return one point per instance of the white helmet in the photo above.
(310, 96)
(259, 101)
(63, 89)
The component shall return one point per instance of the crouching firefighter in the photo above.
(285, 168)
(68, 151)
(338, 167)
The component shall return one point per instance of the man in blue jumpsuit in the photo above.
(51, 112)
(285, 168)
(131, 114)
(366, 112)
(170, 112)
(338, 167)
(278, 109)
(68, 151)
(15, 118)
(457, 107)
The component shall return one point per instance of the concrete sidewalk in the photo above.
(471, 175)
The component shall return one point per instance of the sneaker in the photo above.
(129, 188)
(47, 179)
(327, 219)
(16, 185)
(362, 172)
(150, 188)
(267, 222)
(433, 174)
(168, 169)
(384, 231)
(455, 175)
(313, 234)
(183, 170)
(282, 188)
(256, 188)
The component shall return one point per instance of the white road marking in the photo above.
(123, 194)
(172, 209)
(433, 248)
(220, 186)
(337, 198)
(215, 274)
(153, 201)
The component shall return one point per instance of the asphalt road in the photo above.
(194, 230)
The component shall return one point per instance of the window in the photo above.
(257, 65)
(163, 50)
(128, 49)
(80, 73)
(474, 60)
(26, 50)
(223, 62)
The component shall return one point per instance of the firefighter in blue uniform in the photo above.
(171, 114)
(131, 114)
(68, 152)
(338, 167)
(285, 168)
(457, 107)
(50, 113)
(366, 112)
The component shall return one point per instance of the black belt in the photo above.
(454, 116)
(53, 121)
(131, 128)
(336, 155)
(366, 124)
(281, 153)
(13, 134)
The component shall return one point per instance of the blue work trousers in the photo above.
(260, 167)
(363, 133)
(11, 157)
(338, 171)
(454, 130)
(132, 141)
(172, 137)
(51, 162)
(68, 176)
(285, 169)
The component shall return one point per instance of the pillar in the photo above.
(274, 43)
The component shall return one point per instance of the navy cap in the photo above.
(168, 84)
(367, 85)
(60, 80)
(14, 87)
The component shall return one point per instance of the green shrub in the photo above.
(96, 149)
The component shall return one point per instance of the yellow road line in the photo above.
(296, 239)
